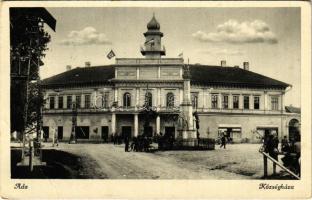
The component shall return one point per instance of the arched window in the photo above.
(170, 100)
(127, 99)
(149, 99)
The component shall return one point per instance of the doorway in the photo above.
(293, 131)
(104, 133)
(82, 132)
(148, 131)
(126, 131)
(60, 132)
(45, 130)
(170, 131)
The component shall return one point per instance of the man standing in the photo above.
(223, 141)
(126, 144)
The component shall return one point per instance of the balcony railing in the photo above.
(160, 109)
(136, 61)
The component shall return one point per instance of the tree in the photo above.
(28, 42)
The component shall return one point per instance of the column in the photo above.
(265, 100)
(116, 95)
(241, 101)
(282, 102)
(251, 101)
(136, 125)
(113, 123)
(219, 100)
(65, 101)
(137, 73)
(230, 101)
(137, 98)
(82, 103)
(158, 125)
(158, 74)
(94, 97)
(209, 99)
(181, 95)
(204, 98)
(187, 92)
(158, 98)
(56, 101)
(116, 72)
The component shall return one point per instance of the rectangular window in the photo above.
(105, 100)
(236, 102)
(69, 101)
(256, 103)
(60, 102)
(214, 101)
(274, 103)
(194, 100)
(52, 102)
(78, 101)
(225, 101)
(246, 102)
(87, 101)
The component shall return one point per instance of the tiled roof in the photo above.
(81, 76)
(201, 74)
(231, 76)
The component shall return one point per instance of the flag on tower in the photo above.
(110, 54)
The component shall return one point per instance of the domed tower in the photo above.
(152, 46)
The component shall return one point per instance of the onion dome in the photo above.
(153, 24)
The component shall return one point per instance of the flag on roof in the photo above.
(110, 54)
(181, 55)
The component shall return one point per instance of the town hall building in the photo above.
(97, 102)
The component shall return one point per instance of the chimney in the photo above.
(87, 64)
(223, 63)
(68, 67)
(246, 66)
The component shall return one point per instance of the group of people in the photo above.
(116, 139)
(291, 151)
(165, 141)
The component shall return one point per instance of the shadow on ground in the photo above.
(59, 165)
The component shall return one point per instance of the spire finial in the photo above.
(153, 14)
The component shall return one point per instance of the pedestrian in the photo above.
(126, 144)
(285, 145)
(223, 141)
(114, 139)
(297, 151)
(272, 149)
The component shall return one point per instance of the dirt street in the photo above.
(238, 161)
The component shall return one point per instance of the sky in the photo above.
(267, 38)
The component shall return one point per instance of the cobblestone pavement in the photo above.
(237, 161)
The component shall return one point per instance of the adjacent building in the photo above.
(108, 100)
